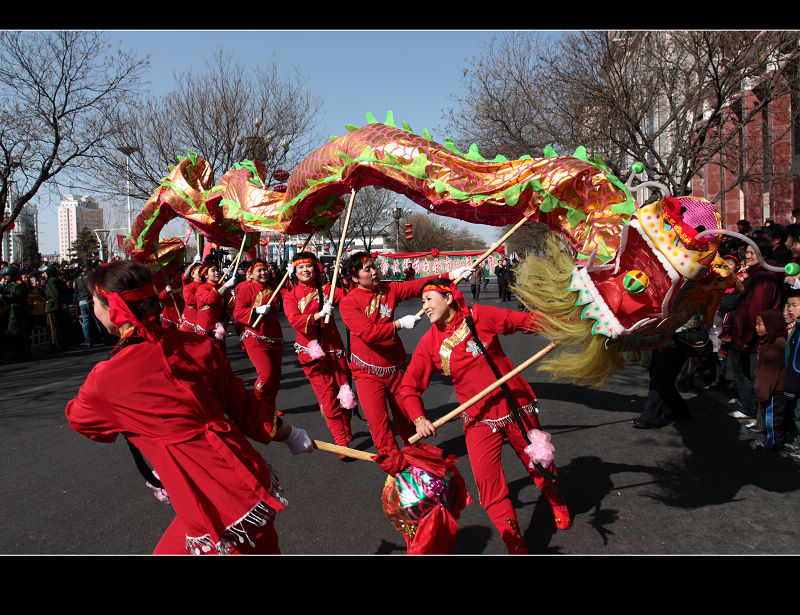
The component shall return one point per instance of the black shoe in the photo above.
(640, 424)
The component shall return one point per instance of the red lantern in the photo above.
(263, 242)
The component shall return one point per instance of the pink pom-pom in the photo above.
(540, 450)
(315, 350)
(219, 331)
(346, 397)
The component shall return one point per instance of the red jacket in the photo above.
(451, 350)
(190, 300)
(369, 315)
(178, 401)
(300, 303)
(763, 290)
(173, 304)
(211, 306)
(249, 296)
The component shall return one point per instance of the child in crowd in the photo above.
(769, 380)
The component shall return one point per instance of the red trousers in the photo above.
(326, 377)
(374, 394)
(266, 358)
(173, 541)
(484, 448)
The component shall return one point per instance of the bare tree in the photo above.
(660, 98)
(372, 216)
(226, 113)
(431, 232)
(59, 95)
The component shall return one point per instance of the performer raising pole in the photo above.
(318, 343)
(212, 312)
(462, 344)
(262, 336)
(377, 355)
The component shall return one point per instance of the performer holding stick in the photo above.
(176, 399)
(192, 278)
(262, 337)
(462, 344)
(377, 355)
(319, 345)
(212, 305)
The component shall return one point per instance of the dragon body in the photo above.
(634, 272)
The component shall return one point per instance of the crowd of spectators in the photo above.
(46, 306)
(749, 336)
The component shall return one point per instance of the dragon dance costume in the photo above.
(378, 357)
(322, 355)
(173, 395)
(189, 304)
(263, 342)
(450, 348)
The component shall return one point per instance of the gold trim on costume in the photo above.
(446, 349)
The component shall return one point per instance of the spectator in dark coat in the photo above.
(763, 290)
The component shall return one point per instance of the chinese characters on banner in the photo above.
(393, 266)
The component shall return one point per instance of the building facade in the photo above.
(74, 214)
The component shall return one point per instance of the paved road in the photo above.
(696, 486)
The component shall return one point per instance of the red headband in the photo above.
(441, 288)
(451, 288)
(119, 312)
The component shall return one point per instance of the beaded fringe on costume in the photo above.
(375, 369)
(503, 422)
(236, 533)
(260, 338)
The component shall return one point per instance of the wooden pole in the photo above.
(343, 450)
(476, 398)
(235, 263)
(488, 252)
(282, 282)
(339, 252)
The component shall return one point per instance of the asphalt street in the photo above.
(696, 486)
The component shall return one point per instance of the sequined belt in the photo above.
(503, 422)
(377, 370)
(260, 338)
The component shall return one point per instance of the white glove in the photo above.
(226, 271)
(298, 441)
(168, 288)
(461, 272)
(408, 322)
(263, 309)
(290, 269)
(327, 308)
(197, 258)
(229, 283)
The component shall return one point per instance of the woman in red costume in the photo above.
(212, 304)
(463, 345)
(377, 355)
(318, 344)
(174, 396)
(191, 280)
(172, 302)
(262, 337)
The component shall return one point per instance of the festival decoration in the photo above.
(423, 495)
(632, 276)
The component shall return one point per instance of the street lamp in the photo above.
(127, 150)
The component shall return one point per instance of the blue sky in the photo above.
(411, 73)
